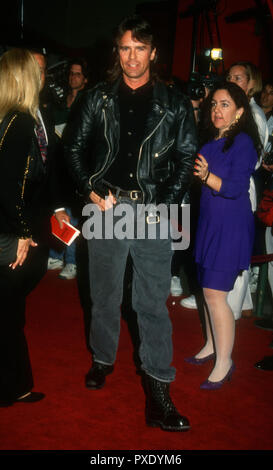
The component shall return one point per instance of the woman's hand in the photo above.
(202, 171)
(22, 251)
(103, 203)
(201, 167)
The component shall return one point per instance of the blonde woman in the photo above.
(23, 185)
(248, 77)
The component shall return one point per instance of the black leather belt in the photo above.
(134, 195)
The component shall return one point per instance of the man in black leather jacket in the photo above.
(133, 141)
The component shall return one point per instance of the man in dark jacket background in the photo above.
(133, 141)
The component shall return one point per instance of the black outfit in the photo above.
(142, 142)
(165, 158)
(25, 188)
(133, 109)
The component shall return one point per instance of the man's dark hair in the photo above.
(269, 82)
(82, 62)
(140, 28)
(141, 31)
(245, 124)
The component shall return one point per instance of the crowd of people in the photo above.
(132, 140)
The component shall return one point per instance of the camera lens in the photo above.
(196, 92)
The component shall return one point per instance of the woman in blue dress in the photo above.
(225, 231)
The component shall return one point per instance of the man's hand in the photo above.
(22, 251)
(103, 203)
(60, 216)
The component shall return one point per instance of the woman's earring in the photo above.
(237, 117)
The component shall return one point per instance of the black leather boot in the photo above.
(160, 410)
(95, 378)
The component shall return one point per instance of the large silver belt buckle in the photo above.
(134, 195)
(152, 219)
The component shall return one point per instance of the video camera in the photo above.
(196, 87)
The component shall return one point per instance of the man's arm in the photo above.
(184, 156)
(76, 138)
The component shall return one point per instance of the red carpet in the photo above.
(237, 417)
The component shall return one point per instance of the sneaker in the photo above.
(189, 302)
(176, 288)
(55, 263)
(69, 271)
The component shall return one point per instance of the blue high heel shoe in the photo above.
(208, 385)
(202, 360)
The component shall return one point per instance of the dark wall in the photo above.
(65, 23)
(246, 33)
(84, 27)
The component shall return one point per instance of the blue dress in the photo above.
(225, 231)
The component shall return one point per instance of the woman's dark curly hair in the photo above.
(246, 123)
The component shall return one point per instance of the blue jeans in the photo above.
(151, 260)
(68, 254)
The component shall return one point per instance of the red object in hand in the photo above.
(67, 234)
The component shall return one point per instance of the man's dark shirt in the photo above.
(269, 114)
(134, 106)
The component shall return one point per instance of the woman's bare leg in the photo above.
(223, 330)
(209, 346)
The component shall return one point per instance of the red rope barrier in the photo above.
(262, 258)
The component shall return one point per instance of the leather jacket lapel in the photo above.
(157, 112)
(110, 111)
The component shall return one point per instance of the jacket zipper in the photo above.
(139, 155)
(109, 150)
(164, 150)
(140, 150)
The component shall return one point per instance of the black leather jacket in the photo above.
(166, 154)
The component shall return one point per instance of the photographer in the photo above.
(198, 89)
